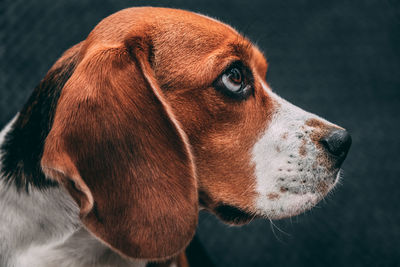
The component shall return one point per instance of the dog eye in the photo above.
(232, 80)
(235, 81)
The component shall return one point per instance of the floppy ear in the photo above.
(117, 148)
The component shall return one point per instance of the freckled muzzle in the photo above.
(297, 160)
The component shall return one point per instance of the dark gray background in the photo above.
(339, 59)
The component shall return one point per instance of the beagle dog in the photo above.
(157, 113)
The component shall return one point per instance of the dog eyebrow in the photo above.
(249, 52)
(240, 50)
(242, 47)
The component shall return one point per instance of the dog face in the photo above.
(166, 108)
(255, 153)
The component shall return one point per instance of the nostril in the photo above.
(337, 142)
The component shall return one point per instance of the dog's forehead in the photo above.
(194, 33)
(185, 24)
(184, 38)
(201, 46)
(168, 27)
(205, 35)
(157, 22)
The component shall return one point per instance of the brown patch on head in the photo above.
(222, 130)
(285, 135)
(119, 151)
(119, 139)
(188, 53)
(273, 196)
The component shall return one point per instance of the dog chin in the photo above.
(294, 200)
(292, 203)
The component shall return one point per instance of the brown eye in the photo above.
(232, 80)
(235, 81)
(235, 76)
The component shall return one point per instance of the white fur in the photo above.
(286, 182)
(42, 229)
(6, 129)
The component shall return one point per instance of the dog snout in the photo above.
(337, 142)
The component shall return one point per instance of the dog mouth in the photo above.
(313, 183)
(298, 200)
(290, 197)
(294, 199)
(233, 215)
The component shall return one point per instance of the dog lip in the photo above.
(233, 215)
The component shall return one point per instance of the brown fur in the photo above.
(122, 156)
(139, 129)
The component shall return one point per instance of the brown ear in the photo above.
(118, 150)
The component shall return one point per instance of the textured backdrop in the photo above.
(339, 59)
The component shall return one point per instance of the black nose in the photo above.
(338, 143)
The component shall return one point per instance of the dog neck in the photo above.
(40, 226)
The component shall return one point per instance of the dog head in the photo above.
(166, 108)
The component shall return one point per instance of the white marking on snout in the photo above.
(288, 176)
